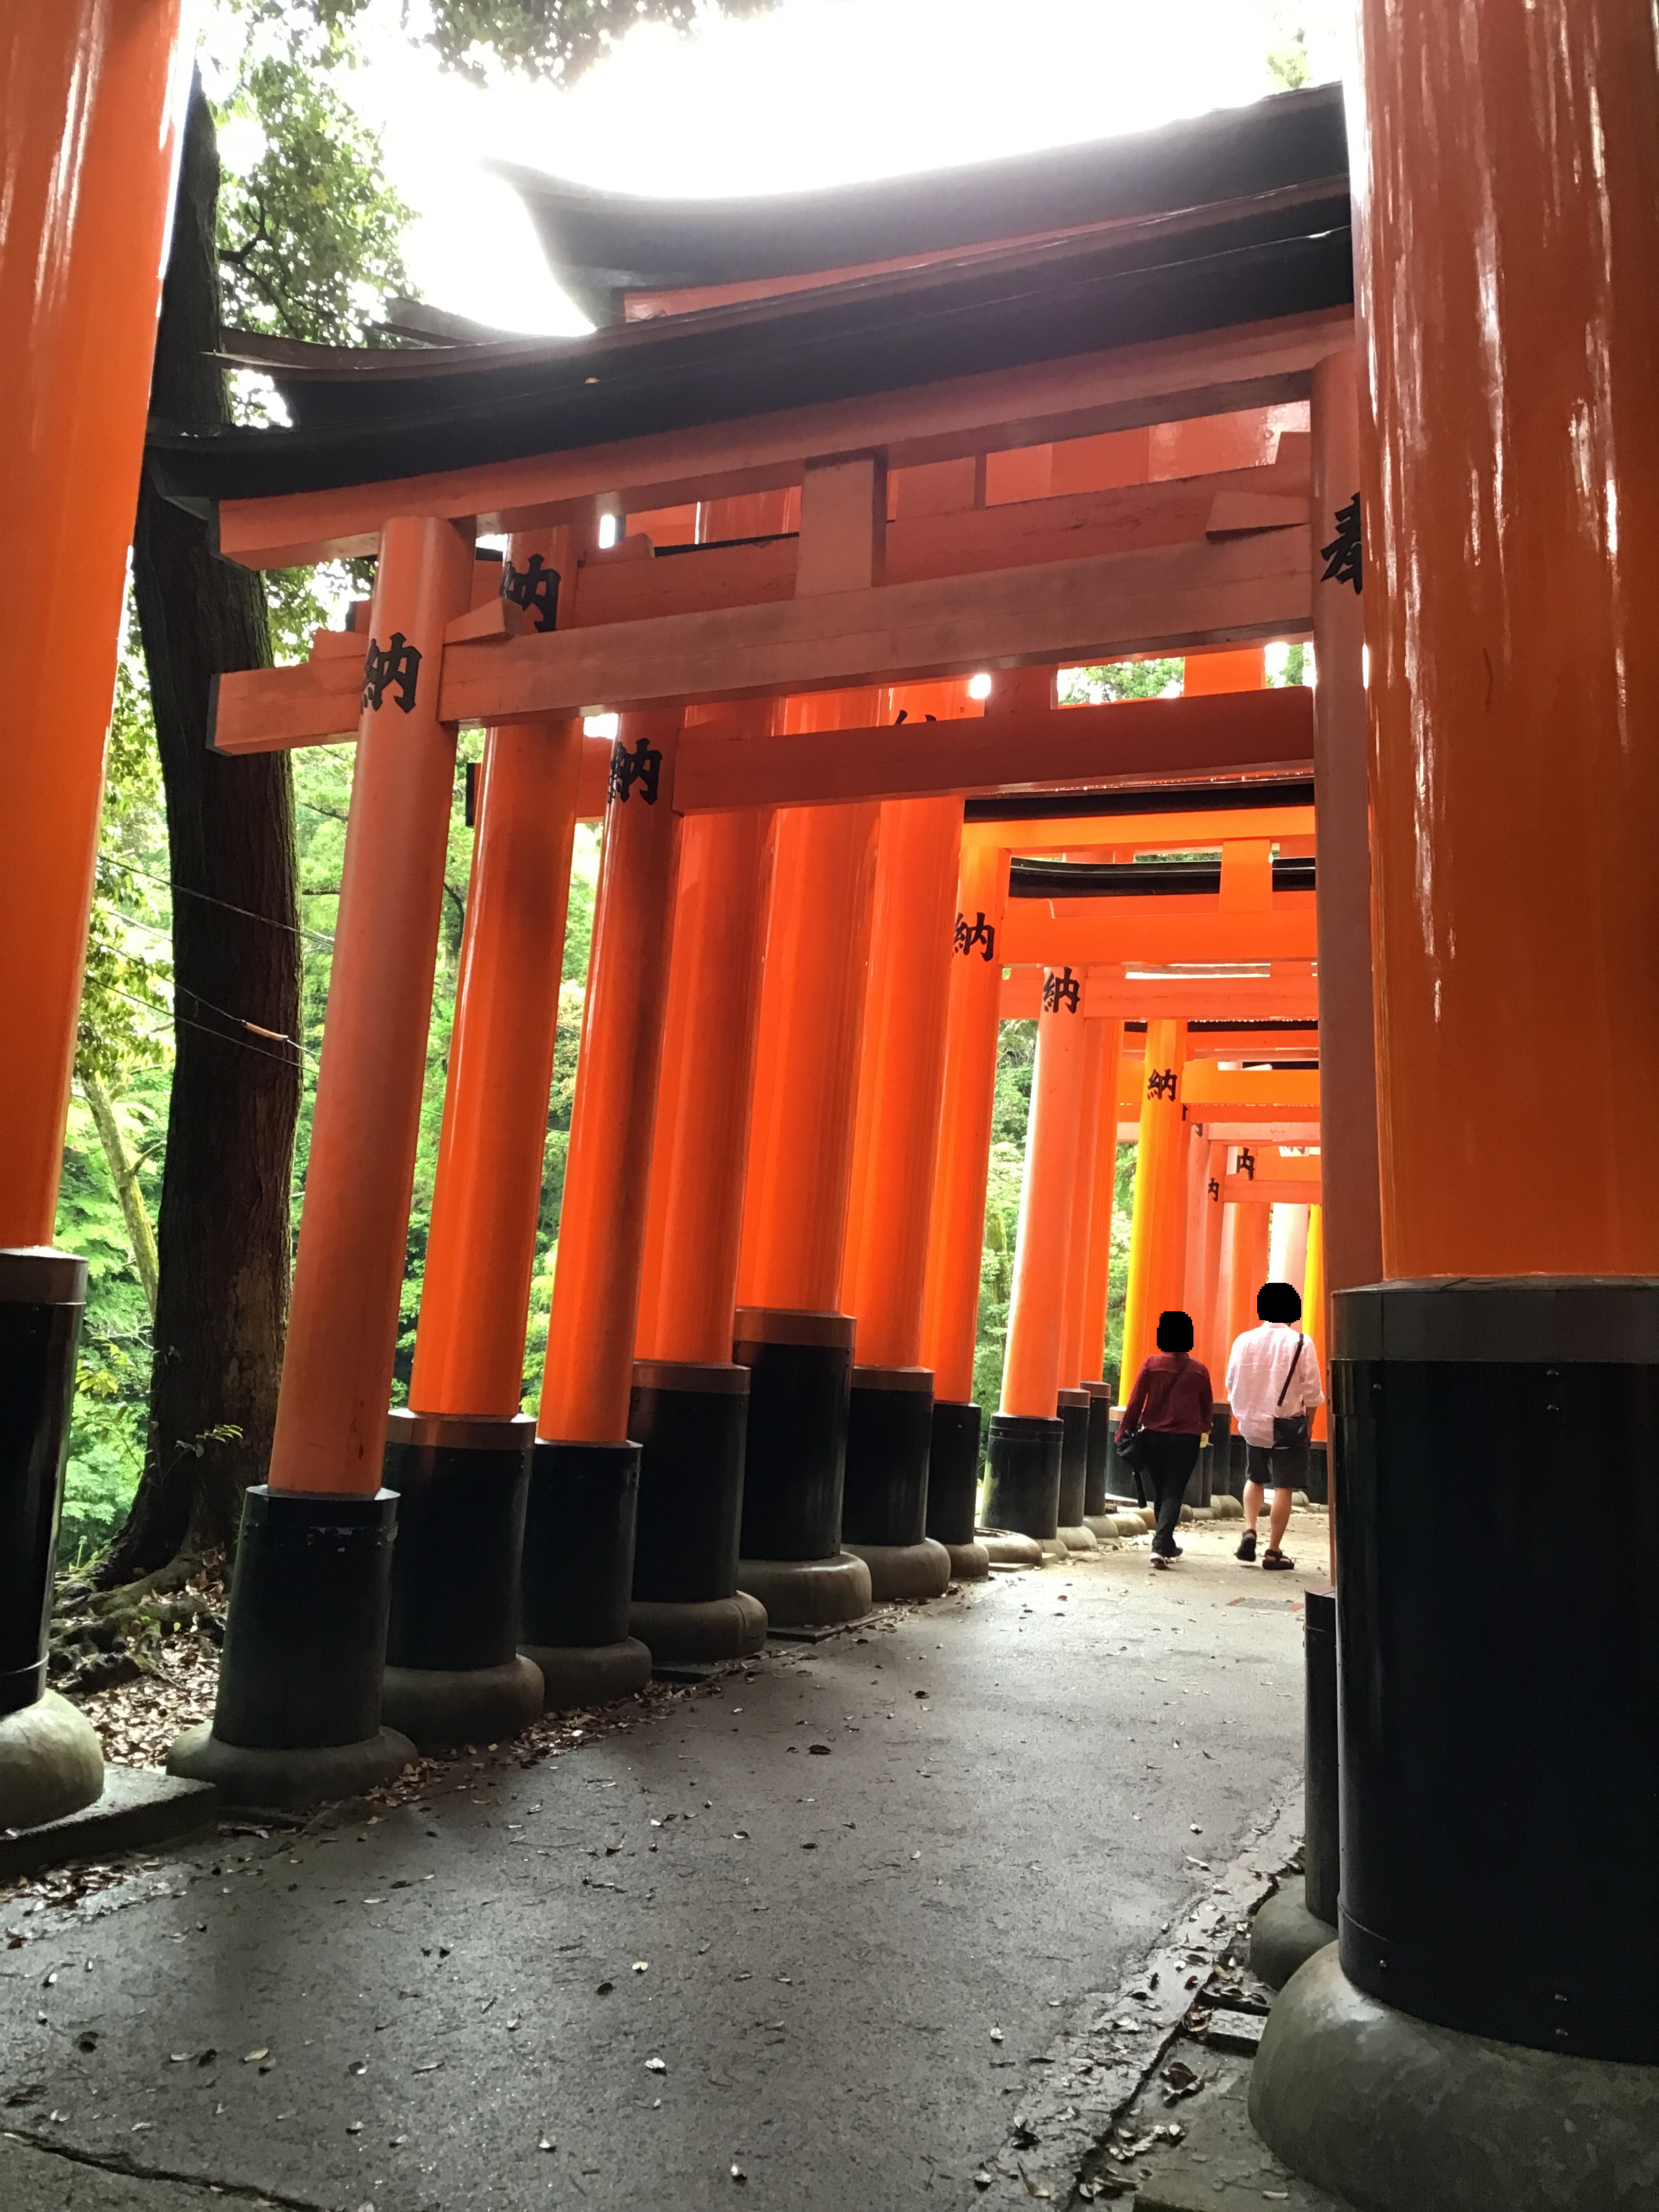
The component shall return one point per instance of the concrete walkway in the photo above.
(694, 1957)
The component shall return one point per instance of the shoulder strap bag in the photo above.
(1291, 1429)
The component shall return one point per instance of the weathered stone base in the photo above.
(1103, 1527)
(141, 1807)
(970, 1563)
(898, 1571)
(1397, 2115)
(436, 1707)
(50, 1762)
(283, 1780)
(1004, 1548)
(1079, 1539)
(590, 1674)
(700, 1631)
(1223, 1506)
(809, 1593)
(1285, 1934)
(1053, 1548)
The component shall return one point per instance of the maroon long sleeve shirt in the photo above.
(1172, 1394)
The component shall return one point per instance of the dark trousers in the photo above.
(1169, 1462)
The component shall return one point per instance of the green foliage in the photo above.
(554, 38)
(1122, 679)
(310, 232)
(1288, 64)
(124, 1008)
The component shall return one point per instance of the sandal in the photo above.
(1247, 1548)
(1277, 1562)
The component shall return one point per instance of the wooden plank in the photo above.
(1099, 836)
(723, 765)
(685, 583)
(1203, 1085)
(1159, 929)
(272, 710)
(1164, 600)
(1169, 380)
(1270, 1190)
(1107, 994)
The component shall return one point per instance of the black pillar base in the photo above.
(1319, 1474)
(1100, 1437)
(1073, 1409)
(690, 1421)
(1499, 1720)
(801, 1373)
(952, 1471)
(1022, 1475)
(43, 1294)
(453, 1670)
(1300, 1918)
(1122, 1481)
(298, 1713)
(889, 1426)
(579, 1545)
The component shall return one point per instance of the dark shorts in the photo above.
(1276, 1467)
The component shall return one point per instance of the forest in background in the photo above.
(308, 243)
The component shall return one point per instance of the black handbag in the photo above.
(1291, 1430)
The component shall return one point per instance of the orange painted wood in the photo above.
(88, 164)
(1153, 930)
(685, 583)
(1101, 837)
(1204, 1083)
(902, 1076)
(354, 1227)
(1103, 1136)
(689, 1286)
(589, 1378)
(1167, 596)
(956, 1232)
(1156, 1248)
(1036, 1312)
(1072, 1368)
(800, 1153)
(1270, 1190)
(1293, 996)
(475, 1290)
(1085, 394)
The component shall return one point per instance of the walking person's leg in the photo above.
(1289, 1473)
(1258, 1475)
(1171, 1464)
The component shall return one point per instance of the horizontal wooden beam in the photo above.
(1165, 600)
(1155, 931)
(1097, 837)
(1270, 1190)
(1203, 1084)
(1170, 379)
(1293, 996)
(722, 765)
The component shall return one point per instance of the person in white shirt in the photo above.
(1273, 1373)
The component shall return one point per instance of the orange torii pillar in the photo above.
(1074, 1404)
(691, 1405)
(585, 1475)
(298, 1712)
(1500, 1725)
(1022, 1463)
(956, 1229)
(1287, 1257)
(93, 110)
(1245, 1261)
(1205, 1303)
(1313, 1302)
(791, 1331)
(883, 1515)
(1157, 1238)
(1093, 1378)
(458, 1456)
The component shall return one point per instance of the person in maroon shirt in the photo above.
(1170, 1409)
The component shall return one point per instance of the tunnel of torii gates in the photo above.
(824, 460)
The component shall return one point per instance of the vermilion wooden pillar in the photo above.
(1023, 1464)
(691, 1403)
(1506, 180)
(92, 94)
(790, 1331)
(901, 1072)
(1156, 1248)
(458, 1456)
(956, 1229)
(579, 1530)
(1093, 1378)
(305, 1646)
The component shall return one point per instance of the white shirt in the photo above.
(1256, 1369)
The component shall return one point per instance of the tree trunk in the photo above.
(124, 1174)
(224, 1240)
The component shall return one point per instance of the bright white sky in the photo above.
(819, 91)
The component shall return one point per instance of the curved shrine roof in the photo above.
(1239, 217)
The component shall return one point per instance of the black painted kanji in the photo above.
(1214, 1188)
(642, 766)
(394, 666)
(1061, 990)
(1344, 556)
(1161, 1083)
(1247, 1162)
(979, 932)
(535, 588)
